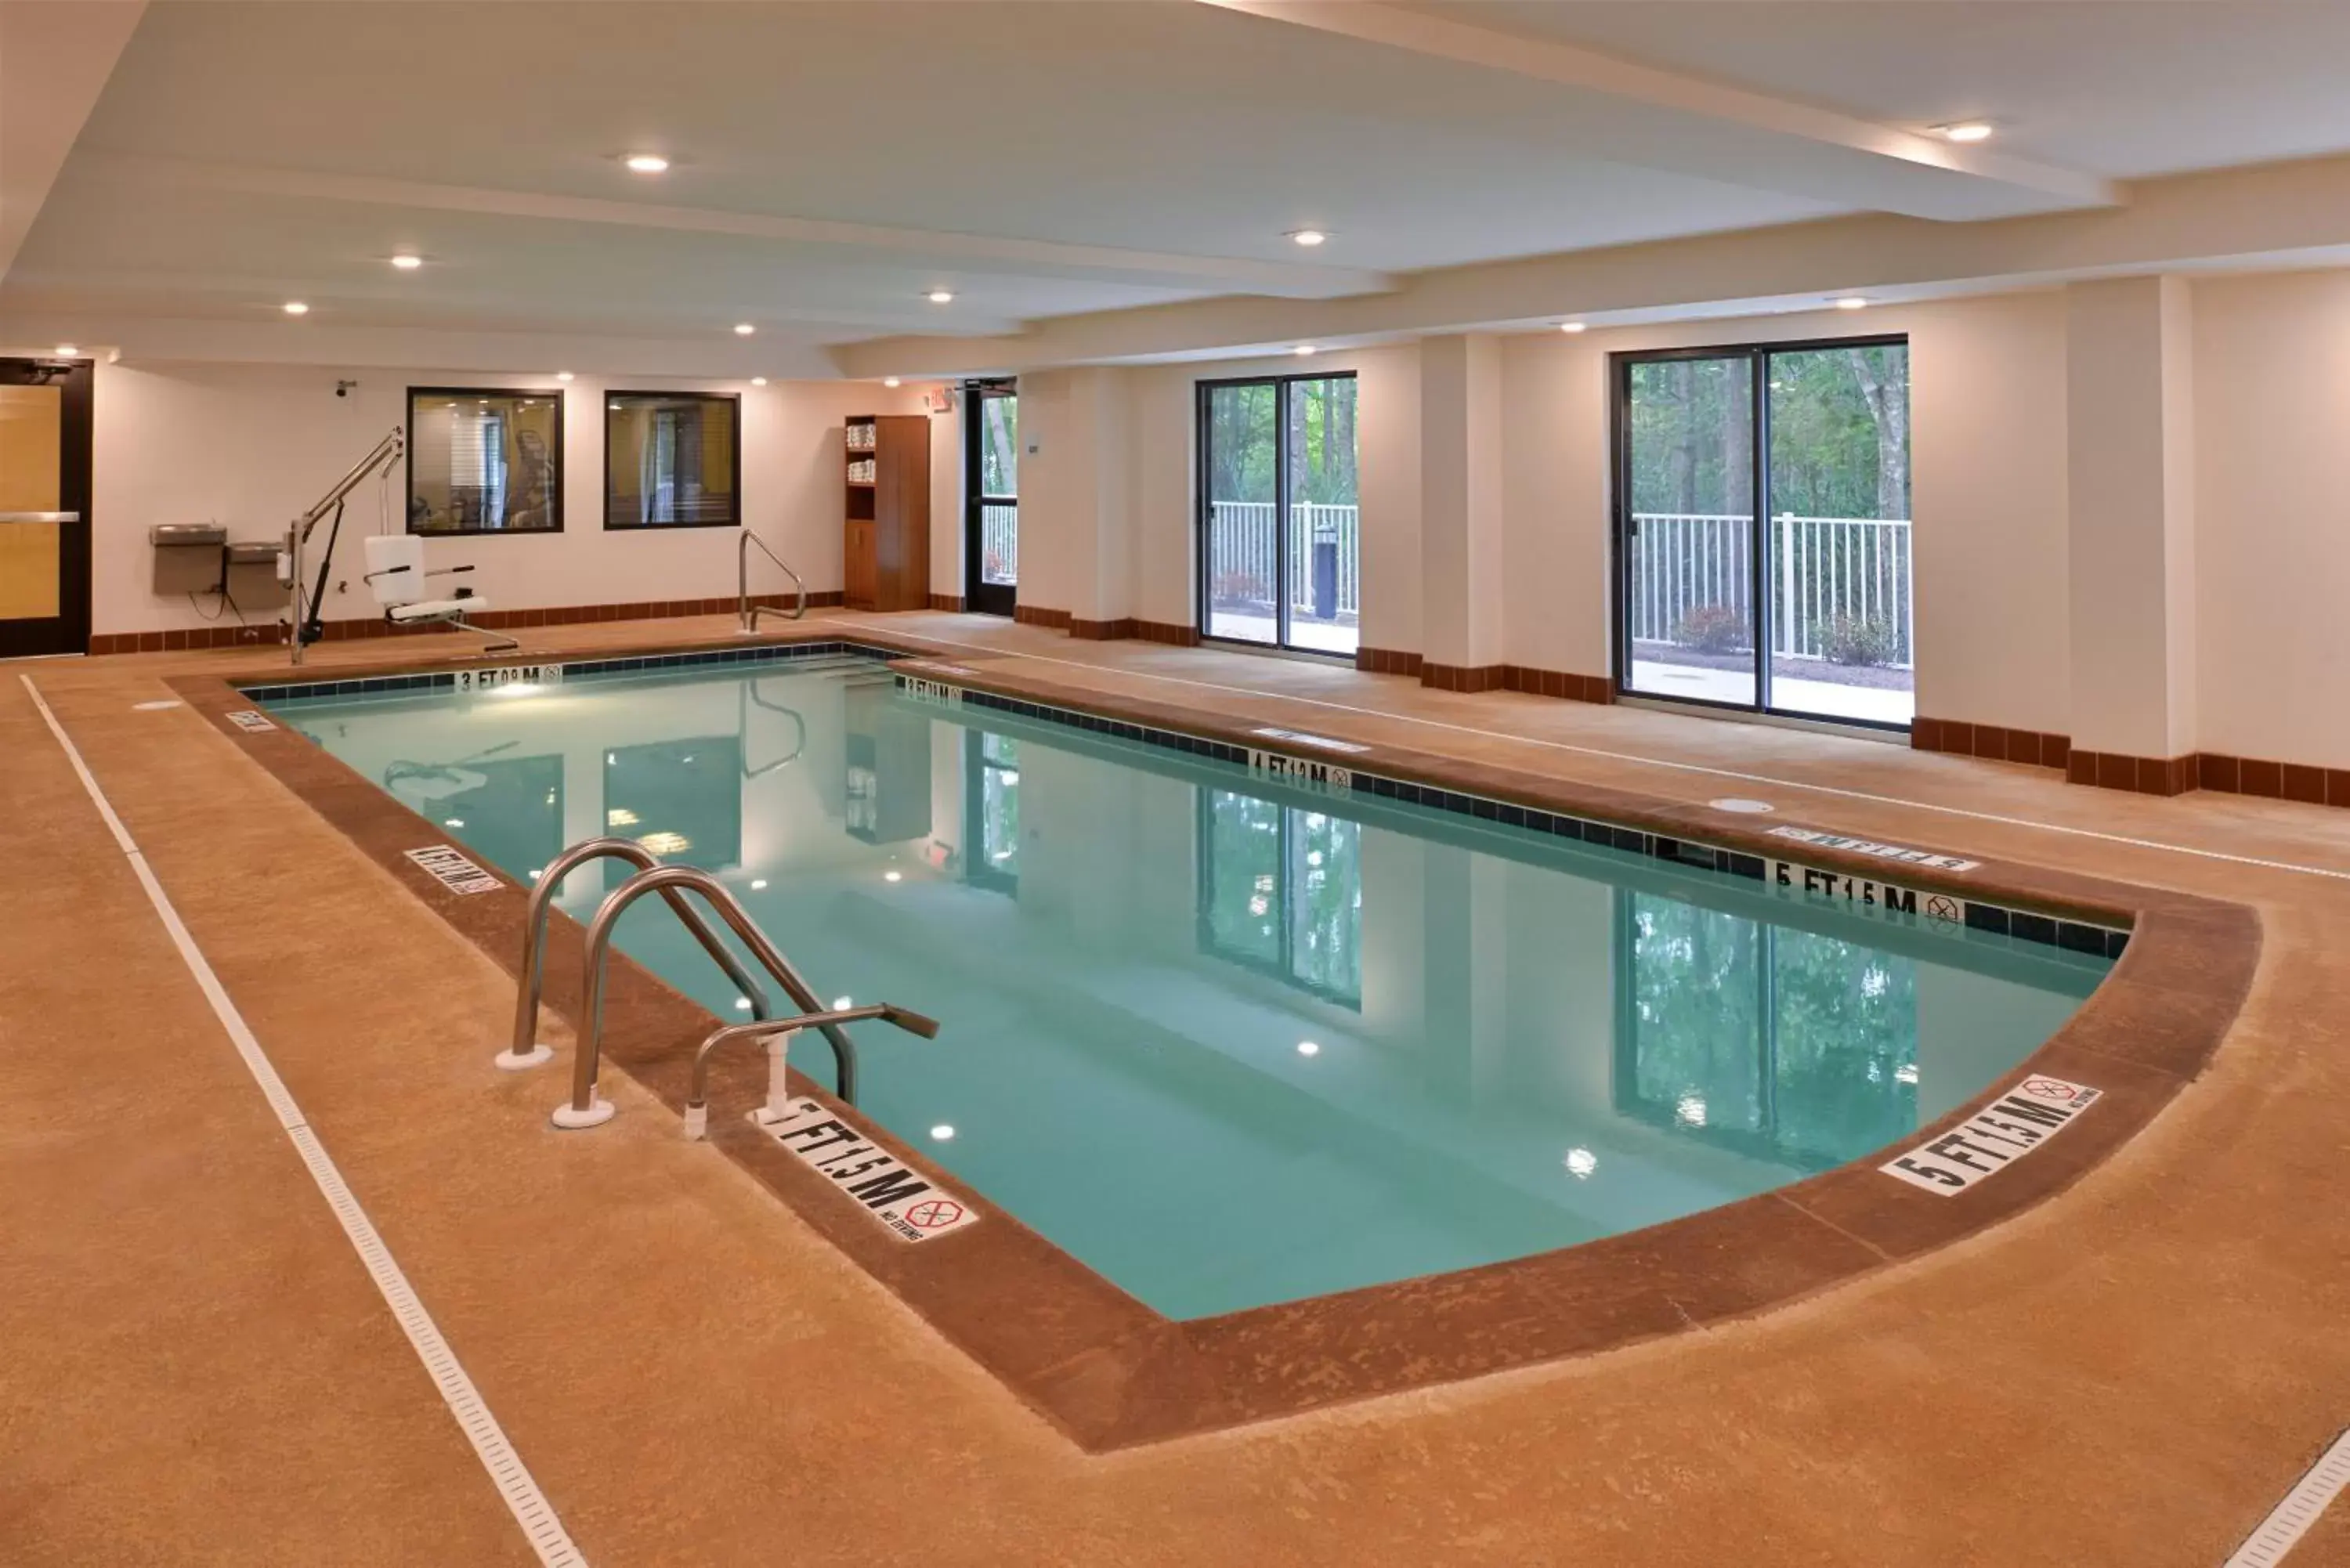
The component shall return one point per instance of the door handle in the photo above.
(40, 516)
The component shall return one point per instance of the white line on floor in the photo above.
(1649, 761)
(2290, 1518)
(529, 1505)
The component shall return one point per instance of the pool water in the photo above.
(1226, 1040)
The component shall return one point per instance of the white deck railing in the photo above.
(1824, 569)
(999, 542)
(1245, 534)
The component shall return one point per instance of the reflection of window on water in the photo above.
(991, 812)
(681, 799)
(1777, 1042)
(1280, 889)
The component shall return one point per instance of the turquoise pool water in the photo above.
(1227, 1040)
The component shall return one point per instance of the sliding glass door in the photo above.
(990, 422)
(1280, 533)
(1763, 527)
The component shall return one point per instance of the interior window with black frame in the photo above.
(485, 461)
(672, 460)
(1281, 891)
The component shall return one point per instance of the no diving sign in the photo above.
(909, 1204)
(2002, 1132)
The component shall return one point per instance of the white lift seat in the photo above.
(396, 575)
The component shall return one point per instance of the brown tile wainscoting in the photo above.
(1168, 632)
(1995, 741)
(204, 637)
(1563, 683)
(951, 603)
(2143, 775)
(2212, 771)
(1487, 677)
(1050, 620)
(1462, 677)
(1387, 661)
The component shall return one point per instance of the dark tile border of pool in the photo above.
(1110, 1373)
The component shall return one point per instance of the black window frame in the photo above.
(1763, 634)
(978, 870)
(561, 498)
(1202, 587)
(734, 477)
(981, 597)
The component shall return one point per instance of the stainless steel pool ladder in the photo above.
(585, 1109)
(525, 1051)
(776, 1032)
(743, 605)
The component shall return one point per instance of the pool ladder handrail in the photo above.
(749, 700)
(778, 1034)
(743, 608)
(585, 1109)
(527, 1050)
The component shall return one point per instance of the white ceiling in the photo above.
(833, 161)
(2122, 87)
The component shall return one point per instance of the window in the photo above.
(1281, 891)
(672, 460)
(1779, 1043)
(992, 463)
(1279, 527)
(481, 461)
(991, 811)
(1764, 529)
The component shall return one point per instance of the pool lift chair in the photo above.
(395, 574)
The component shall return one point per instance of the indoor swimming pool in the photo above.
(1226, 1036)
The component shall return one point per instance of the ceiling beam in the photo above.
(2272, 217)
(1696, 125)
(54, 58)
(976, 253)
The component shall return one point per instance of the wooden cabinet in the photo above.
(888, 544)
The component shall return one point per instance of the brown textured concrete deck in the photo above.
(685, 1364)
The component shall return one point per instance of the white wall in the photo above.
(253, 446)
(2272, 515)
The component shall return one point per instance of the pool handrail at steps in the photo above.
(585, 1109)
(776, 1032)
(526, 1050)
(743, 608)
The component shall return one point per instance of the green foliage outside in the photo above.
(1814, 1064)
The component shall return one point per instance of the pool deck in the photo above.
(199, 1370)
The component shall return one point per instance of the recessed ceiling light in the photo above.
(743, 330)
(1965, 131)
(407, 263)
(942, 1132)
(563, 375)
(891, 381)
(843, 1004)
(646, 162)
(1852, 302)
(1303, 348)
(1307, 237)
(758, 885)
(1571, 325)
(1308, 1048)
(893, 876)
(67, 351)
(296, 307)
(941, 297)
(758, 381)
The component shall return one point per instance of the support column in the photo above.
(1075, 504)
(1461, 512)
(2130, 418)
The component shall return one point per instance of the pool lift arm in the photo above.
(309, 620)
